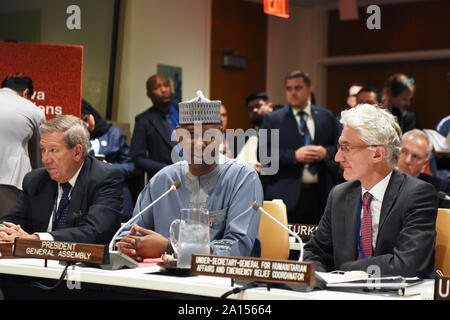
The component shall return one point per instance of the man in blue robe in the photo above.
(226, 187)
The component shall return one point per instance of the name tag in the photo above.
(304, 231)
(59, 250)
(442, 288)
(255, 269)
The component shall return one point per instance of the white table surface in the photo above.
(147, 278)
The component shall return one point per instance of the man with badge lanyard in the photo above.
(379, 218)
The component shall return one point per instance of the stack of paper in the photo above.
(361, 279)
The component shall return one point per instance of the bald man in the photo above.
(151, 143)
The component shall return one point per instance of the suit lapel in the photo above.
(351, 217)
(317, 124)
(390, 196)
(44, 203)
(291, 122)
(161, 126)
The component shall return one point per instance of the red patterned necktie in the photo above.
(366, 227)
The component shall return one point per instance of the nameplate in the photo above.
(304, 231)
(6, 250)
(59, 250)
(442, 288)
(255, 269)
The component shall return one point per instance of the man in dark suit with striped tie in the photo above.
(307, 144)
(379, 221)
(75, 198)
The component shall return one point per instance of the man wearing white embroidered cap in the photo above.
(225, 187)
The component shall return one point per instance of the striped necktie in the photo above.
(366, 228)
(59, 220)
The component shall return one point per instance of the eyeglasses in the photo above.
(345, 148)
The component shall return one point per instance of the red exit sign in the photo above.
(278, 8)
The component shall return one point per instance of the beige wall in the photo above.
(95, 36)
(170, 32)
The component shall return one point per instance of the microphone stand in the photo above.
(118, 259)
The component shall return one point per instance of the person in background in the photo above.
(19, 137)
(368, 95)
(226, 187)
(257, 106)
(109, 144)
(151, 145)
(397, 94)
(443, 127)
(415, 157)
(353, 89)
(379, 221)
(75, 198)
(225, 147)
(308, 136)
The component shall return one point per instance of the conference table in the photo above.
(149, 281)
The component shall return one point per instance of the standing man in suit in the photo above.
(151, 143)
(307, 142)
(75, 198)
(19, 137)
(380, 220)
(258, 105)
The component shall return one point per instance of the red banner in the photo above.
(56, 71)
(278, 8)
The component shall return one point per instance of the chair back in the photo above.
(274, 240)
(442, 247)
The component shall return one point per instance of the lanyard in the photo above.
(174, 120)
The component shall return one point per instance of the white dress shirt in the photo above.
(19, 137)
(377, 191)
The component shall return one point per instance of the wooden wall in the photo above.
(430, 103)
(411, 26)
(406, 27)
(241, 26)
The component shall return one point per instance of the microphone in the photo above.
(257, 207)
(173, 187)
(117, 259)
(443, 195)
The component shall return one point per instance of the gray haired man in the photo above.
(379, 221)
(75, 198)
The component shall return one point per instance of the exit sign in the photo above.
(278, 8)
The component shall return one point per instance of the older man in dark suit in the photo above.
(307, 144)
(380, 220)
(151, 145)
(75, 198)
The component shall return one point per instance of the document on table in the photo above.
(361, 279)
